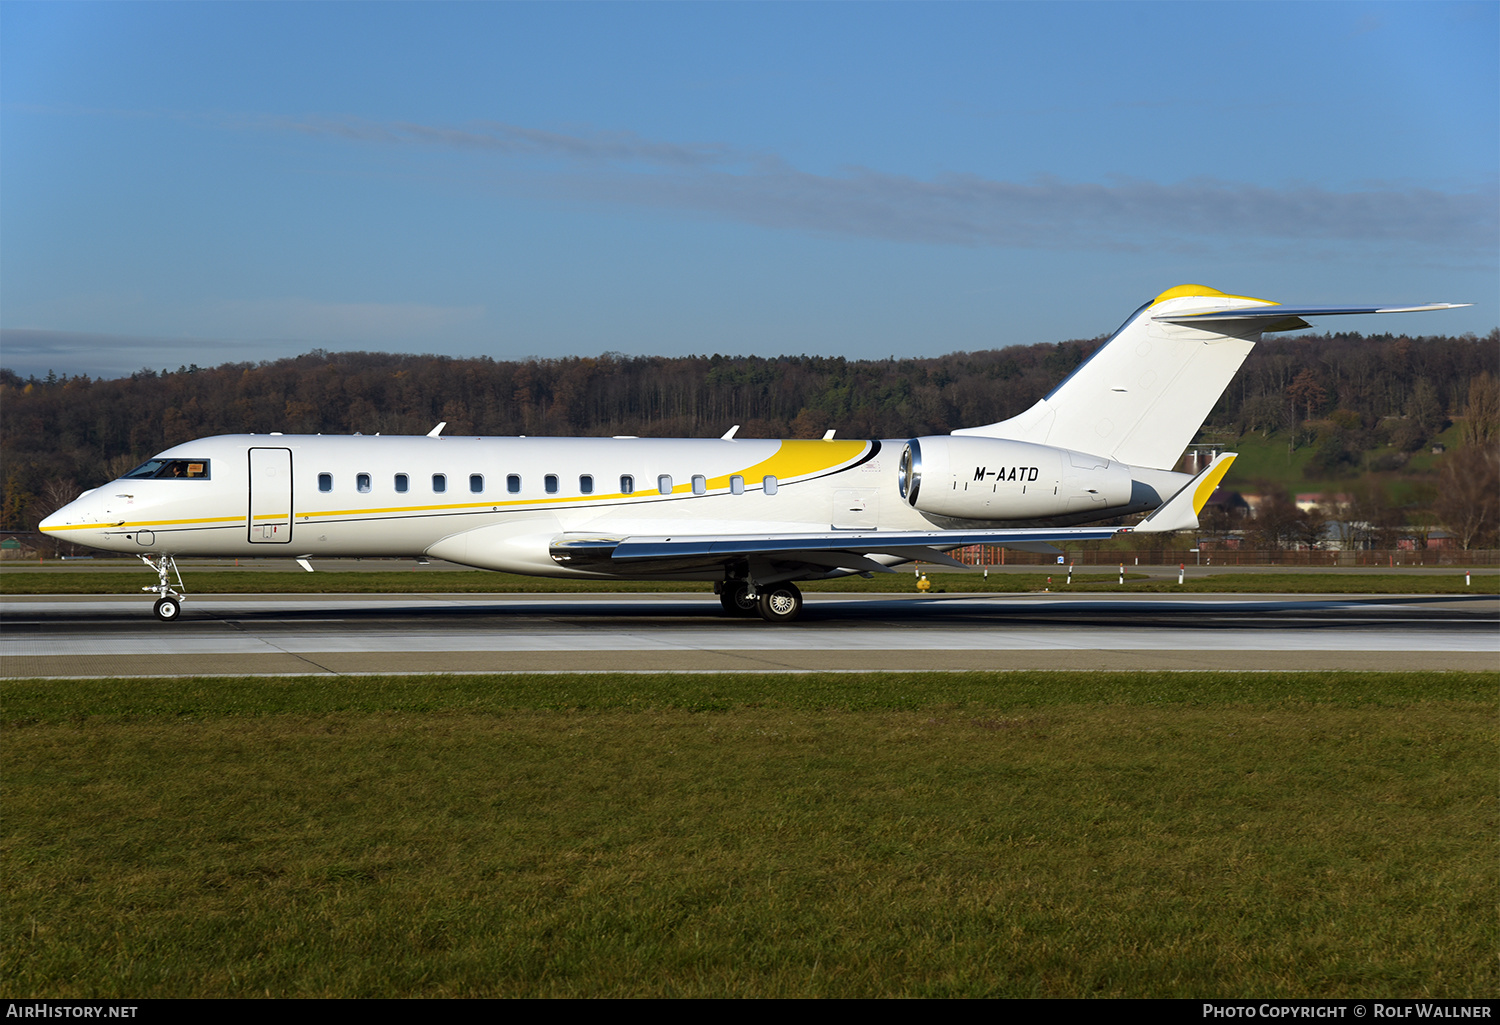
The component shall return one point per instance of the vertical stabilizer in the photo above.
(1143, 395)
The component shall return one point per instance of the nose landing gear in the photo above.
(168, 607)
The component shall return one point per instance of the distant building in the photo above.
(1309, 500)
(1434, 540)
(1234, 505)
(1347, 536)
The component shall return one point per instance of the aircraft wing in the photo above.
(869, 542)
(837, 549)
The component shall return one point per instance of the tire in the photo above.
(780, 603)
(168, 610)
(732, 597)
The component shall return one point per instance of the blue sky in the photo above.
(200, 183)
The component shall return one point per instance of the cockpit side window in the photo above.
(170, 469)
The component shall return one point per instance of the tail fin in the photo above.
(1143, 395)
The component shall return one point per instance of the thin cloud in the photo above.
(31, 351)
(339, 323)
(499, 137)
(217, 332)
(969, 210)
(954, 209)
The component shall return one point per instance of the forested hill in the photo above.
(63, 433)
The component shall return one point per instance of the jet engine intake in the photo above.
(995, 479)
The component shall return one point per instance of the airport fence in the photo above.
(994, 555)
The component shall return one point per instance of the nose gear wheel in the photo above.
(168, 606)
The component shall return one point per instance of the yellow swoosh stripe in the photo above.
(791, 461)
(794, 459)
(148, 524)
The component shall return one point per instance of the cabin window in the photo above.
(402, 483)
(627, 484)
(770, 485)
(736, 485)
(362, 483)
(550, 482)
(325, 482)
(439, 483)
(170, 469)
(664, 484)
(700, 484)
(513, 483)
(476, 482)
(586, 484)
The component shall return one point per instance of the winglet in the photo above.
(438, 430)
(1180, 512)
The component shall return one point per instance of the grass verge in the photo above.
(1025, 834)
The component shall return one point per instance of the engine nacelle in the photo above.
(993, 479)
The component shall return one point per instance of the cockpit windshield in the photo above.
(170, 469)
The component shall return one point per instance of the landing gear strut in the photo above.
(168, 606)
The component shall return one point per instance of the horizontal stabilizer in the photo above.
(1277, 311)
(1180, 512)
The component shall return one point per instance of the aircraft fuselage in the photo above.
(498, 503)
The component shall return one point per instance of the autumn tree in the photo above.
(1468, 497)
(1482, 411)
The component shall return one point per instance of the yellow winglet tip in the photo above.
(1211, 481)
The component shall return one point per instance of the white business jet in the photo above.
(751, 516)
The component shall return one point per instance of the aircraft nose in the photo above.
(83, 509)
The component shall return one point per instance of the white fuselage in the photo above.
(494, 503)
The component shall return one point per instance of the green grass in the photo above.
(70, 581)
(1026, 834)
(1270, 459)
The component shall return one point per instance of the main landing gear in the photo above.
(775, 603)
(168, 607)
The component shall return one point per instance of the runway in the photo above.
(359, 634)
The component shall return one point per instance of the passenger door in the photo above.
(270, 516)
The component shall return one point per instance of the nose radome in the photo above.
(83, 509)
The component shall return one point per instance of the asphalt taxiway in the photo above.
(83, 636)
